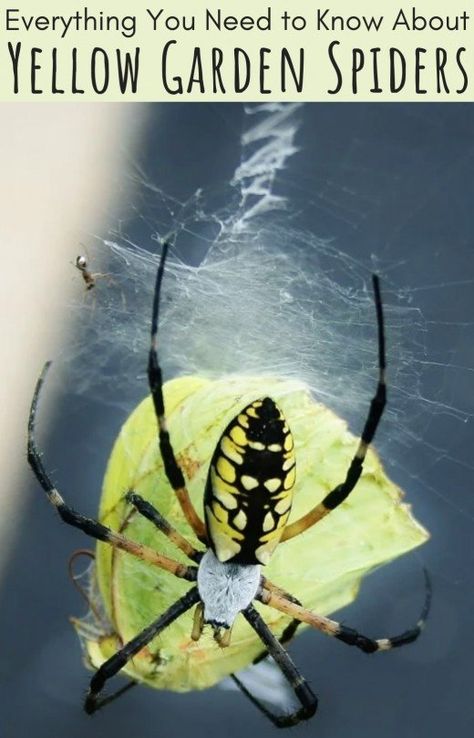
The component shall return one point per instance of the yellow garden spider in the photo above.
(247, 503)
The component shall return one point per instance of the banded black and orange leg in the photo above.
(377, 405)
(348, 635)
(88, 525)
(290, 630)
(149, 512)
(303, 692)
(113, 665)
(155, 380)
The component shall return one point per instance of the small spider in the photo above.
(89, 277)
(247, 503)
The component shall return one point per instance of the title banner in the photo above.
(193, 50)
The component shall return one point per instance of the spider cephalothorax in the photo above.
(225, 590)
(247, 501)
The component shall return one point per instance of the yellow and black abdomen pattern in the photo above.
(249, 488)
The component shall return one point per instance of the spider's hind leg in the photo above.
(285, 638)
(305, 695)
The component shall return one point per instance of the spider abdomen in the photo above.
(249, 489)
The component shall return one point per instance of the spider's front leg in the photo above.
(155, 380)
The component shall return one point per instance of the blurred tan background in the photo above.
(60, 168)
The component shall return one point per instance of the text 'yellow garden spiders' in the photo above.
(247, 504)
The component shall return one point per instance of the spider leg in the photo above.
(155, 380)
(102, 275)
(287, 635)
(342, 632)
(146, 509)
(258, 703)
(290, 630)
(115, 695)
(377, 405)
(285, 638)
(88, 525)
(305, 695)
(113, 665)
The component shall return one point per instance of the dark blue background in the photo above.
(394, 181)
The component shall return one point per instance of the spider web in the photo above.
(254, 285)
(249, 289)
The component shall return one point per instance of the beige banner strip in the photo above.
(193, 50)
